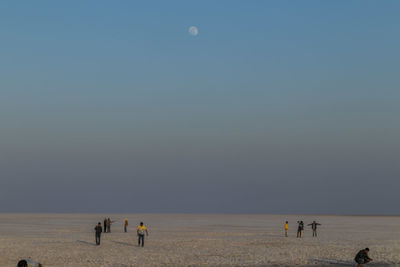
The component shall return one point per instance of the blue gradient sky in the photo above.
(276, 106)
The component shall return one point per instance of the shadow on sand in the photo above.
(333, 263)
(124, 243)
(86, 243)
(336, 263)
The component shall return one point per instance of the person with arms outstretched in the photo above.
(314, 225)
(141, 230)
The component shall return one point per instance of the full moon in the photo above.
(193, 31)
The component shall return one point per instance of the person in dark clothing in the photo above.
(300, 229)
(126, 226)
(314, 225)
(98, 233)
(105, 225)
(362, 257)
(109, 222)
(141, 230)
(22, 263)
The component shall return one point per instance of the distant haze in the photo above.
(276, 107)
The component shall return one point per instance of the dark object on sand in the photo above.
(28, 263)
(362, 257)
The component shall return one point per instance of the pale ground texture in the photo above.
(197, 240)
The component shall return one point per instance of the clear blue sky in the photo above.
(276, 106)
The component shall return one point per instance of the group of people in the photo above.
(361, 257)
(141, 231)
(107, 225)
(300, 228)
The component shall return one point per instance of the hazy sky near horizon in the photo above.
(274, 107)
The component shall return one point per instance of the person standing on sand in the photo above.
(108, 225)
(141, 230)
(98, 233)
(362, 257)
(126, 225)
(286, 228)
(314, 225)
(105, 225)
(300, 229)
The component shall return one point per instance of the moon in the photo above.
(193, 31)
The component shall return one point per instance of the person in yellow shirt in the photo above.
(286, 228)
(141, 230)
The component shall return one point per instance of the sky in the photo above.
(274, 107)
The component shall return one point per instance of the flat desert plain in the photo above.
(197, 240)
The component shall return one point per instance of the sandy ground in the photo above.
(197, 240)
